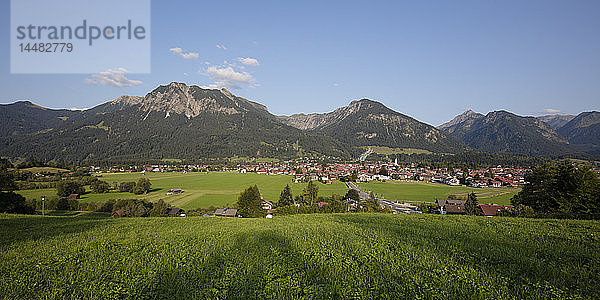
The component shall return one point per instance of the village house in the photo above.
(175, 212)
(267, 205)
(450, 206)
(175, 191)
(225, 212)
(491, 210)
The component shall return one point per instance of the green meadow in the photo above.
(201, 190)
(358, 256)
(428, 192)
(218, 189)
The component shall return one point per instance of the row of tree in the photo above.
(11, 202)
(250, 202)
(65, 188)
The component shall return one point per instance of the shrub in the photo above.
(67, 187)
(561, 188)
(127, 186)
(142, 186)
(522, 211)
(11, 202)
(133, 207)
(100, 187)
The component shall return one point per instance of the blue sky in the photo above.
(427, 59)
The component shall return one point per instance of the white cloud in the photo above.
(188, 55)
(221, 47)
(112, 78)
(227, 77)
(249, 61)
(551, 111)
(335, 84)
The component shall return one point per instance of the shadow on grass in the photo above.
(528, 258)
(256, 265)
(20, 228)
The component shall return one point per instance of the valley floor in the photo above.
(221, 189)
(310, 256)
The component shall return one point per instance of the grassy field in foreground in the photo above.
(311, 256)
(201, 190)
(428, 192)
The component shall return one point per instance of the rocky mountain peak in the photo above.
(466, 116)
(191, 101)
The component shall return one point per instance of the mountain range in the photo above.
(181, 121)
(177, 121)
(505, 132)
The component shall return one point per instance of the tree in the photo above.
(521, 211)
(286, 198)
(133, 207)
(128, 186)
(352, 194)
(142, 186)
(100, 187)
(471, 205)
(354, 176)
(383, 171)
(250, 203)
(5, 164)
(372, 204)
(311, 192)
(561, 188)
(62, 204)
(107, 206)
(11, 202)
(65, 188)
(159, 209)
(335, 203)
(7, 181)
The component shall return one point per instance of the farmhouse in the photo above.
(452, 181)
(266, 205)
(455, 209)
(450, 206)
(175, 211)
(175, 191)
(225, 212)
(491, 210)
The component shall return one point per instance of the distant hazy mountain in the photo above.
(505, 132)
(556, 121)
(584, 130)
(370, 123)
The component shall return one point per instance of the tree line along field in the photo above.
(428, 192)
(218, 189)
(302, 256)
